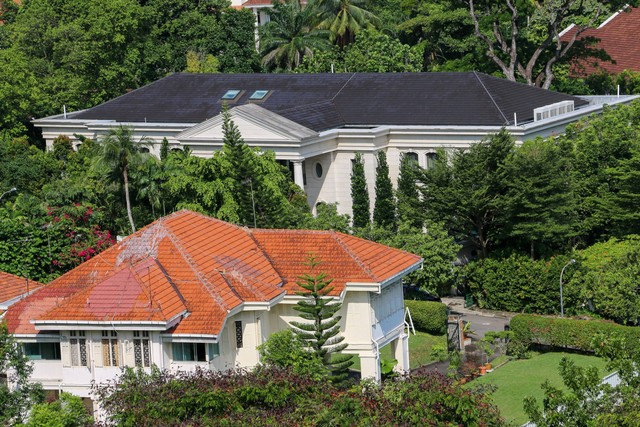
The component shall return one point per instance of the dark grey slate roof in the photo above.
(325, 101)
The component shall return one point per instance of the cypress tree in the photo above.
(384, 209)
(359, 194)
(408, 198)
(321, 335)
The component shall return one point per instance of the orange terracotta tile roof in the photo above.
(250, 3)
(196, 269)
(619, 38)
(342, 257)
(13, 286)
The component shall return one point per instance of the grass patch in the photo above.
(419, 349)
(520, 378)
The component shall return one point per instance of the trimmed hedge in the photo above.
(562, 332)
(428, 316)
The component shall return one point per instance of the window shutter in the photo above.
(65, 351)
(96, 346)
(127, 348)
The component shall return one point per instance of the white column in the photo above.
(400, 348)
(370, 367)
(298, 176)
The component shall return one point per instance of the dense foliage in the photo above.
(567, 333)
(428, 316)
(16, 402)
(270, 396)
(586, 400)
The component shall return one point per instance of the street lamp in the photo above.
(7, 192)
(571, 261)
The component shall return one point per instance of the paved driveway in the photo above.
(481, 321)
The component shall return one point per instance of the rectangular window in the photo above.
(189, 352)
(42, 350)
(78, 345)
(214, 351)
(238, 333)
(110, 355)
(141, 348)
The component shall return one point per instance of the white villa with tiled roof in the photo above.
(191, 291)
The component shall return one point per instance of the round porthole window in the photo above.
(318, 170)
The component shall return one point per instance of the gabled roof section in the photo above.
(618, 36)
(321, 102)
(251, 119)
(342, 257)
(13, 287)
(138, 293)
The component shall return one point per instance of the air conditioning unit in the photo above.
(552, 110)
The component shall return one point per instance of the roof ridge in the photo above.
(283, 280)
(343, 86)
(495, 104)
(199, 275)
(344, 246)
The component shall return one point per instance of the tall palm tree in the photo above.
(119, 152)
(344, 18)
(290, 35)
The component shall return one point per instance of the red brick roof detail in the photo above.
(250, 3)
(13, 286)
(342, 257)
(201, 268)
(619, 38)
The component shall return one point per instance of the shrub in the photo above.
(271, 396)
(519, 284)
(284, 349)
(562, 332)
(428, 316)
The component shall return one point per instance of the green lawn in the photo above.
(419, 349)
(520, 378)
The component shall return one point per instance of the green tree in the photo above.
(539, 200)
(523, 38)
(603, 172)
(120, 153)
(359, 194)
(376, 52)
(344, 19)
(407, 193)
(321, 328)
(467, 192)
(16, 402)
(287, 350)
(384, 208)
(438, 250)
(327, 218)
(290, 35)
(67, 411)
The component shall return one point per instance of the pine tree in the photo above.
(359, 194)
(384, 209)
(408, 198)
(242, 177)
(321, 335)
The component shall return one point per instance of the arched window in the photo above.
(412, 156)
(144, 150)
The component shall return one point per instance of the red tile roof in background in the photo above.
(187, 262)
(13, 286)
(619, 37)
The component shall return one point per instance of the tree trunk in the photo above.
(125, 175)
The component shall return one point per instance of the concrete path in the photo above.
(482, 321)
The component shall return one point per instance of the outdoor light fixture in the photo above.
(571, 261)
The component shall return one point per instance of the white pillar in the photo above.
(400, 348)
(298, 176)
(370, 366)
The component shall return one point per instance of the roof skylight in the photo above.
(258, 95)
(231, 94)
